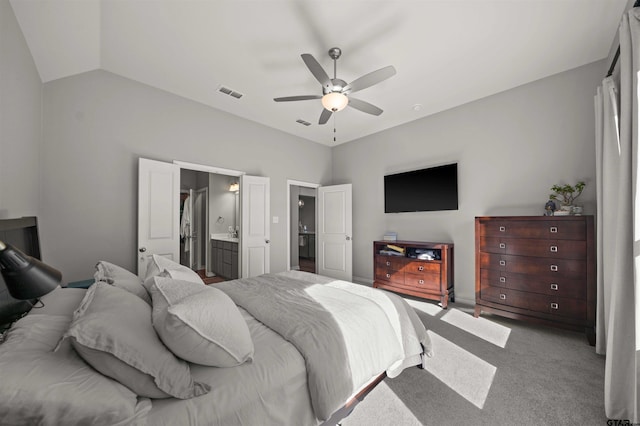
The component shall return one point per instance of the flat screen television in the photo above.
(429, 189)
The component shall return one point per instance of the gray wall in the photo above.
(73, 163)
(20, 115)
(510, 149)
(95, 127)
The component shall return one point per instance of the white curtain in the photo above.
(618, 226)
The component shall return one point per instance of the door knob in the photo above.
(348, 238)
(142, 249)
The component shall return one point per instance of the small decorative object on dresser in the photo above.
(415, 268)
(537, 268)
(566, 195)
(549, 208)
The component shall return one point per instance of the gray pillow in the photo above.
(40, 386)
(200, 324)
(158, 264)
(119, 277)
(112, 332)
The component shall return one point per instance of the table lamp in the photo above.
(26, 277)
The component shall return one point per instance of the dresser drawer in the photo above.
(551, 229)
(553, 286)
(389, 275)
(573, 269)
(424, 281)
(390, 262)
(557, 249)
(537, 303)
(419, 267)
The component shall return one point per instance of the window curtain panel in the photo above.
(618, 226)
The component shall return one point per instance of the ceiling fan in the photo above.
(335, 91)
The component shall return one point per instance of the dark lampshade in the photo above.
(26, 277)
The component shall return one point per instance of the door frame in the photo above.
(203, 233)
(290, 183)
(205, 168)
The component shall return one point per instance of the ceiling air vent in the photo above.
(230, 92)
(301, 121)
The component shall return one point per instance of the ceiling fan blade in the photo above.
(364, 106)
(324, 117)
(317, 70)
(297, 98)
(370, 79)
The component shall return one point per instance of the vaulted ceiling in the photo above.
(445, 52)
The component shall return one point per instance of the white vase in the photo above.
(563, 211)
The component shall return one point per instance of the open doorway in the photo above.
(302, 226)
(209, 224)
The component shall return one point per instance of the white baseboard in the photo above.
(465, 301)
(361, 280)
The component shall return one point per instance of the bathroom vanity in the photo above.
(224, 254)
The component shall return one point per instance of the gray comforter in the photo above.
(347, 333)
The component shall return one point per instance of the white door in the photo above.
(334, 232)
(255, 231)
(158, 211)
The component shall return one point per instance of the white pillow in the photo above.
(204, 327)
(119, 277)
(158, 264)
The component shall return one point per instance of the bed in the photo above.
(289, 348)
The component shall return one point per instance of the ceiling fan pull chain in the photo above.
(334, 128)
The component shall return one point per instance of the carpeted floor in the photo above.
(491, 371)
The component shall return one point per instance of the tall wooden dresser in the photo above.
(537, 268)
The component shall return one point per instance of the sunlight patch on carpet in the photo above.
(427, 308)
(368, 411)
(465, 373)
(481, 327)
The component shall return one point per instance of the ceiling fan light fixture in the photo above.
(335, 101)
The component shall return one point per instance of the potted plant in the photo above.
(566, 194)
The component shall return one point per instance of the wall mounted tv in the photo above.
(430, 189)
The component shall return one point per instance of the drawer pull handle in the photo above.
(420, 268)
(554, 306)
(388, 275)
(503, 296)
(554, 286)
(503, 280)
(554, 268)
(553, 229)
(503, 262)
(502, 245)
(502, 229)
(388, 263)
(553, 249)
(420, 281)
